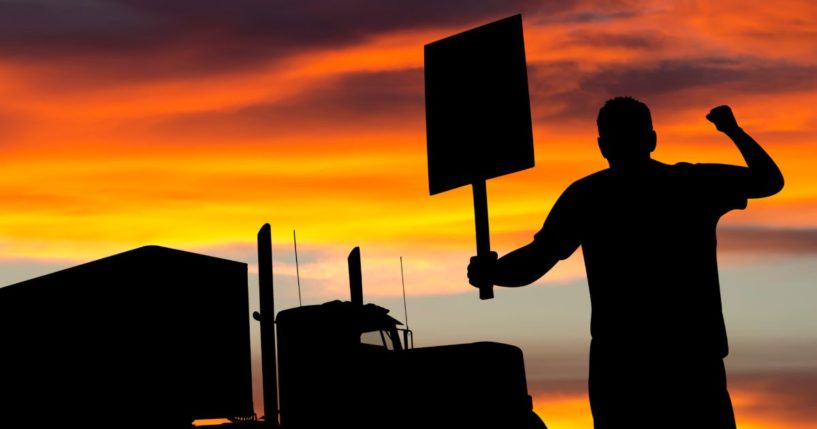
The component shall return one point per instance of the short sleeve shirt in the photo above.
(649, 245)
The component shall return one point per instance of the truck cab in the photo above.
(343, 364)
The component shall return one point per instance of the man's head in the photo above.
(625, 131)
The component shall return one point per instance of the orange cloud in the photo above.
(330, 138)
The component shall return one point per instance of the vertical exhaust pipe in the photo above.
(267, 319)
(355, 277)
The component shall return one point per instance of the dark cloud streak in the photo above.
(370, 100)
(787, 395)
(750, 75)
(768, 240)
(146, 39)
(580, 94)
(610, 40)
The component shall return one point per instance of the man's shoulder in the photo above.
(587, 187)
(700, 169)
(591, 179)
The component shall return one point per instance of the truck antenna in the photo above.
(297, 271)
(403, 280)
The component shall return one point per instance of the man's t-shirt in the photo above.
(649, 244)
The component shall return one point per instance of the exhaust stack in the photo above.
(267, 319)
(355, 277)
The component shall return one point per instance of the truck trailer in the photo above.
(152, 335)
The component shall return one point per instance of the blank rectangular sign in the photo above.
(478, 120)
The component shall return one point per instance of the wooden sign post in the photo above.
(478, 122)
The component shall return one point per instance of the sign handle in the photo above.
(486, 291)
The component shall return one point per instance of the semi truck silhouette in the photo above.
(158, 338)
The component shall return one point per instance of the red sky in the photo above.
(190, 123)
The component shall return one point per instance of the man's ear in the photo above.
(603, 146)
(652, 139)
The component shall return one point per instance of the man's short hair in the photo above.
(623, 116)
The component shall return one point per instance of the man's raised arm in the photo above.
(764, 177)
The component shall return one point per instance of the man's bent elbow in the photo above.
(768, 186)
(777, 183)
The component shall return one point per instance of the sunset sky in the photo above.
(190, 123)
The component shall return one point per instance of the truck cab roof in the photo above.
(337, 315)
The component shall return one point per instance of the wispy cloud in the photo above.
(768, 240)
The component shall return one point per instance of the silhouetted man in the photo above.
(647, 231)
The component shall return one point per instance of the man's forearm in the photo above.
(523, 266)
(765, 176)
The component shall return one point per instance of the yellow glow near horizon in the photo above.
(572, 411)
